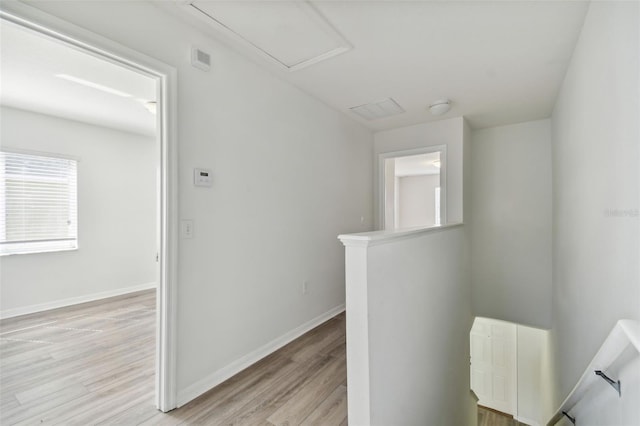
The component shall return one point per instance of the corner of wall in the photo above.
(466, 182)
(595, 245)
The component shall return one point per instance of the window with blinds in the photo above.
(38, 203)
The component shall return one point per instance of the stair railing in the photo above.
(623, 334)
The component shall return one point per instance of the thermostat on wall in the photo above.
(202, 177)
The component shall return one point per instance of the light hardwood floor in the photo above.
(83, 364)
(489, 417)
(94, 364)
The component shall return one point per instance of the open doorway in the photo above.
(509, 368)
(413, 185)
(96, 123)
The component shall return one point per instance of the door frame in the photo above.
(94, 44)
(382, 157)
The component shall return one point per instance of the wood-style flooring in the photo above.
(304, 383)
(94, 364)
(85, 364)
(489, 417)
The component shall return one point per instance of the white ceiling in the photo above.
(293, 34)
(499, 62)
(30, 64)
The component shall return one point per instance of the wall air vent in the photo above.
(292, 34)
(380, 109)
(200, 59)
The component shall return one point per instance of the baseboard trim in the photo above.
(15, 312)
(198, 388)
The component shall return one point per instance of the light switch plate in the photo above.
(186, 228)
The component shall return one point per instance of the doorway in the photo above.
(509, 369)
(412, 188)
(493, 364)
(158, 103)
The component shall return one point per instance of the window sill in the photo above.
(52, 250)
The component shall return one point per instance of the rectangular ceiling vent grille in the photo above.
(380, 109)
(294, 34)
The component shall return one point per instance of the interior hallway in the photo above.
(94, 363)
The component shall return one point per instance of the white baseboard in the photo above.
(195, 390)
(9, 313)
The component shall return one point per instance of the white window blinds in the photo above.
(38, 203)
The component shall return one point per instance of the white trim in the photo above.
(380, 192)
(358, 353)
(92, 43)
(166, 354)
(10, 313)
(374, 238)
(214, 379)
(515, 379)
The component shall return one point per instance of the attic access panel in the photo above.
(292, 33)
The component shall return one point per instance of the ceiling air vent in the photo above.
(380, 109)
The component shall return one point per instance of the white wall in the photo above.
(116, 220)
(289, 175)
(511, 223)
(596, 192)
(419, 322)
(409, 305)
(445, 132)
(416, 200)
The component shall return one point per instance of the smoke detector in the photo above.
(439, 107)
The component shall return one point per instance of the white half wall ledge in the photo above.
(195, 390)
(373, 238)
(401, 285)
(32, 309)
